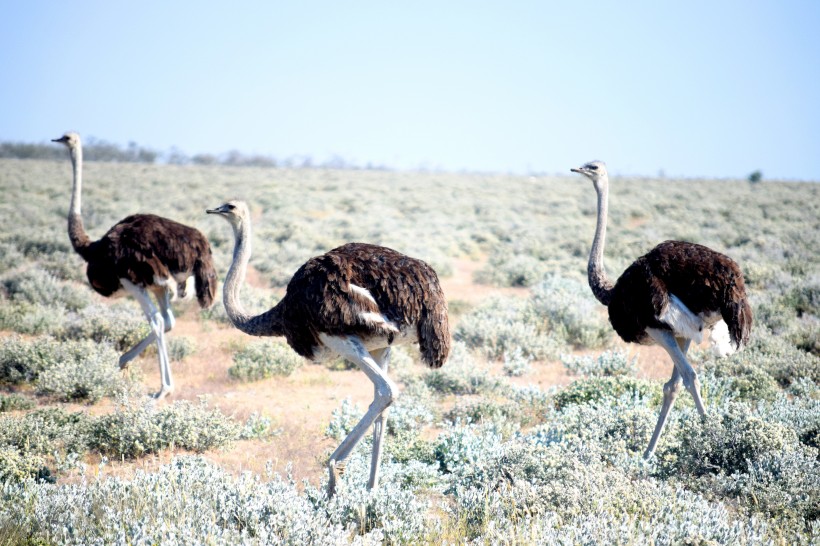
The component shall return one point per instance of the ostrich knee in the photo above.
(692, 384)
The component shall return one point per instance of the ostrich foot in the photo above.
(335, 471)
(161, 394)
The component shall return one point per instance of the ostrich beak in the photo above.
(61, 139)
(214, 211)
(580, 171)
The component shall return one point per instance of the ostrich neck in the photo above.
(599, 282)
(266, 324)
(76, 231)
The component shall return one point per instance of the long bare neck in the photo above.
(599, 282)
(268, 323)
(76, 231)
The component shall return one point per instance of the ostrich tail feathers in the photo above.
(434, 335)
(205, 277)
(738, 318)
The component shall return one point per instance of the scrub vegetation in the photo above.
(532, 432)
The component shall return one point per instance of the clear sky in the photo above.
(697, 88)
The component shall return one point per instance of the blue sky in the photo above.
(696, 88)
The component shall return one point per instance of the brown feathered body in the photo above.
(149, 251)
(709, 283)
(325, 297)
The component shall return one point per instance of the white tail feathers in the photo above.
(720, 339)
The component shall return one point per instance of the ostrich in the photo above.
(356, 301)
(670, 296)
(140, 255)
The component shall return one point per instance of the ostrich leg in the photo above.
(157, 324)
(682, 373)
(670, 392)
(165, 305)
(382, 357)
(351, 347)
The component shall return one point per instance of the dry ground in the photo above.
(300, 406)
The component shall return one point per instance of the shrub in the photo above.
(16, 466)
(503, 326)
(506, 269)
(570, 309)
(180, 347)
(139, 429)
(22, 361)
(45, 432)
(777, 357)
(592, 389)
(780, 484)
(263, 359)
(36, 286)
(33, 319)
(81, 370)
(462, 374)
(122, 324)
(609, 363)
(727, 441)
(739, 380)
(515, 363)
(15, 402)
(70, 370)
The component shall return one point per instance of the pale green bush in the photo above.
(180, 347)
(505, 269)
(591, 389)
(46, 432)
(727, 441)
(69, 370)
(15, 402)
(33, 319)
(81, 370)
(261, 359)
(137, 429)
(121, 323)
(36, 286)
(516, 363)
(608, 363)
(502, 326)
(570, 311)
(462, 374)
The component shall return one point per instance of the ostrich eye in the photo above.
(593, 167)
(231, 207)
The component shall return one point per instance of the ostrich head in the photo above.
(70, 139)
(595, 171)
(235, 212)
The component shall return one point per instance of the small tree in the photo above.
(755, 176)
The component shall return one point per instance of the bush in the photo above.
(263, 359)
(462, 374)
(122, 324)
(81, 370)
(502, 326)
(135, 430)
(593, 389)
(46, 432)
(180, 347)
(32, 319)
(15, 402)
(36, 286)
(70, 370)
(609, 363)
(725, 442)
(571, 310)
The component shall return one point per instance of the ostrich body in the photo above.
(141, 255)
(670, 296)
(356, 301)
